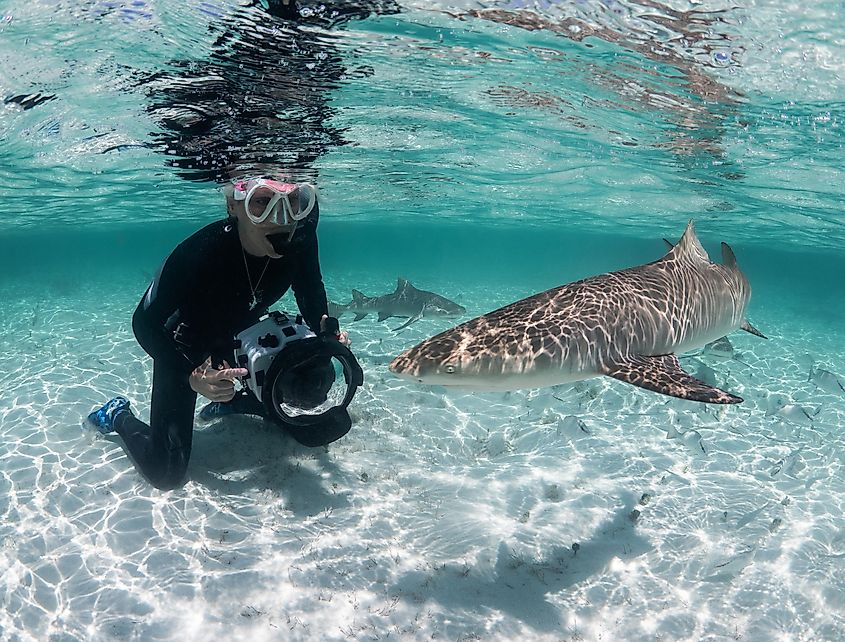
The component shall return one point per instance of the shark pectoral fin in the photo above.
(413, 319)
(664, 374)
(359, 316)
(750, 328)
(383, 315)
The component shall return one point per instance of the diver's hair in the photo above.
(229, 195)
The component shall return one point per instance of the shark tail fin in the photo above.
(751, 329)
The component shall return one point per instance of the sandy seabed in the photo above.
(589, 512)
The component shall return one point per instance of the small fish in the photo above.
(691, 439)
(750, 517)
(572, 426)
(786, 465)
(706, 374)
(826, 380)
(793, 413)
(720, 349)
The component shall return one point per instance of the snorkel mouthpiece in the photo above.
(281, 241)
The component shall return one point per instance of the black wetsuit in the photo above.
(196, 304)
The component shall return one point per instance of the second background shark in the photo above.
(406, 301)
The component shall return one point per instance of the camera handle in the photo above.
(329, 326)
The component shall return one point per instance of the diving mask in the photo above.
(284, 204)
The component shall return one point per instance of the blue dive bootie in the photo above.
(103, 419)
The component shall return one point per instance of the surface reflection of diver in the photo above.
(304, 381)
(262, 98)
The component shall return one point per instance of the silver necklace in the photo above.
(254, 302)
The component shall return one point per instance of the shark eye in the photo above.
(450, 369)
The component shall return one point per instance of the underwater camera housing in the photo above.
(302, 378)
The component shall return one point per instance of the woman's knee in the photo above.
(171, 471)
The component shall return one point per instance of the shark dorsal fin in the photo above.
(357, 295)
(402, 284)
(689, 247)
(728, 257)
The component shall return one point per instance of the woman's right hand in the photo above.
(216, 384)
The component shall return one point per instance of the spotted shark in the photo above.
(629, 325)
(405, 301)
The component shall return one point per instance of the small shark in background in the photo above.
(405, 301)
(628, 325)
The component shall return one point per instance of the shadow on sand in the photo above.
(241, 454)
(519, 587)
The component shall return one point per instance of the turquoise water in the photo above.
(485, 152)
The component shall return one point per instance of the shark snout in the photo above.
(416, 367)
(429, 362)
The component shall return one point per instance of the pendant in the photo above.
(253, 303)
